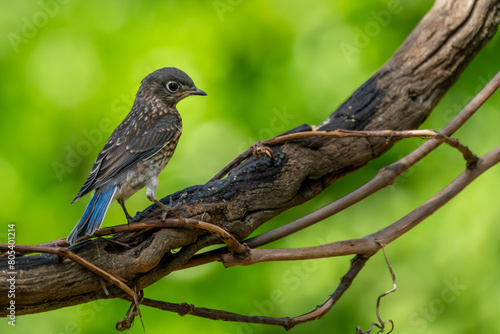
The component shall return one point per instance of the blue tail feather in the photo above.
(93, 215)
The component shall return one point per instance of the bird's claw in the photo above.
(130, 219)
(167, 208)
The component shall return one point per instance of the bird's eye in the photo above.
(172, 86)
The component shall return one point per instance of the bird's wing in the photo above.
(131, 142)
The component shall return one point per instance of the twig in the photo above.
(236, 161)
(133, 311)
(103, 285)
(357, 263)
(231, 242)
(183, 308)
(64, 252)
(101, 274)
(261, 147)
(286, 322)
(381, 324)
(61, 242)
(389, 134)
(338, 248)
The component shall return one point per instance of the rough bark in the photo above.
(399, 96)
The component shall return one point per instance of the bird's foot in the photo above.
(166, 208)
(130, 219)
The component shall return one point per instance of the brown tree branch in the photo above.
(64, 252)
(233, 245)
(384, 178)
(231, 242)
(398, 97)
(372, 243)
(359, 246)
(257, 149)
(287, 323)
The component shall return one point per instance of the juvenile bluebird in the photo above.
(138, 149)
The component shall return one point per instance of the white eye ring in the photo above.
(172, 86)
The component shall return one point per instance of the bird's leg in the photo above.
(129, 217)
(163, 207)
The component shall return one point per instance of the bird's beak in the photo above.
(197, 92)
(192, 92)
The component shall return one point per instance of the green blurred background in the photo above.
(70, 70)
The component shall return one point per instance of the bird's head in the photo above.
(170, 85)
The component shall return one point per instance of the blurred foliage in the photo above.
(70, 70)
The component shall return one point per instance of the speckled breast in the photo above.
(159, 160)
